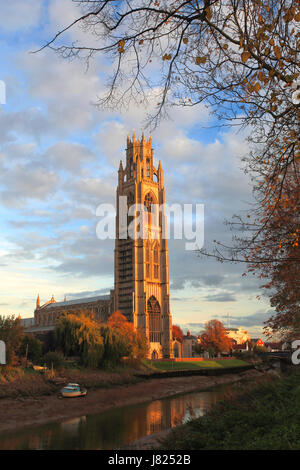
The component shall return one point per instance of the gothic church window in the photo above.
(153, 309)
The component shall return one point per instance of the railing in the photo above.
(190, 359)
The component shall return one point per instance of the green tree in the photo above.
(32, 347)
(53, 358)
(199, 348)
(79, 334)
(115, 344)
(12, 333)
(140, 346)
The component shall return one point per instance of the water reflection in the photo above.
(114, 428)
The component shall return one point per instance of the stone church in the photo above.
(141, 264)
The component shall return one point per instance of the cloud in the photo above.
(255, 319)
(253, 322)
(23, 122)
(208, 280)
(195, 328)
(91, 191)
(88, 293)
(28, 181)
(111, 140)
(67, 92)
(221, 297)
(18, 151)
(87, 265)
(61, 13)
(74, 252)
(68, 156)
(19, 15)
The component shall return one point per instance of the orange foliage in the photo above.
(118, 320)
(215, 338)
(177, 333)
(135, 339)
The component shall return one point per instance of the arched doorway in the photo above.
(154, 355)
(154, 315)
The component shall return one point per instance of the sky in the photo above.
(59, 156)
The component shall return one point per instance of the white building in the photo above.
(240, 335)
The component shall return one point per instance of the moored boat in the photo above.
(73, 390)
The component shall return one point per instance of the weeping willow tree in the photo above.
(115, 345)
(79, 334)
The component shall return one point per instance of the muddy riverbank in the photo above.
(17, 413)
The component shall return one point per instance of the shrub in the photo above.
(9, 373)
(246, 355)
(53, 358)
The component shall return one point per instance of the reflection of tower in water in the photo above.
(154, 417)
(168, 413)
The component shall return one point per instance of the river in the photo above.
(116, 427)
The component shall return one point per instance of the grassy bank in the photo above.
(21, 382)
(194, 365)
(258, 417)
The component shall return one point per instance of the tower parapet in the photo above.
(139, 161)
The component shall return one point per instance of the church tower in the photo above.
(142, 262)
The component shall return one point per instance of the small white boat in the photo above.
(73, 390)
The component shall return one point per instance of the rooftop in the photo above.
(36, 329)
(27, 322)
(84, 300)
